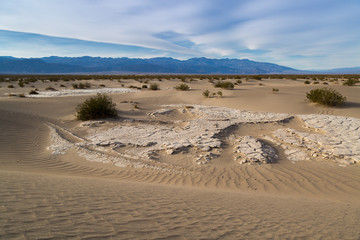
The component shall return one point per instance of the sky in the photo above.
(306, 34)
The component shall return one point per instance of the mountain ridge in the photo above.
(86, 64)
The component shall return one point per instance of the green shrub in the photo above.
(224, 85)
(81, 85)
(325, 96)
(99, 106)
(275, 90)
(350, 82)
(307, 82)
(220, 94)
(206, 93)
(154, 86)
(182, 87)
(21, 84)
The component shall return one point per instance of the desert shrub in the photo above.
(182, 87)
(325, 96)
(33, 92)
(350, 82)
(144, 86)
(21, 84)
(99, 106)
(62, 85)
(275, 90)
(11, 86)
(102, 85)
(316, 82)
(21, 95)
(238, 81)
(81, 85)
(50, 89)
(154, 86)
(224, 85)
(206, 93)
(307, 82)
(220, 94)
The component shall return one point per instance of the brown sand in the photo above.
(65, 196)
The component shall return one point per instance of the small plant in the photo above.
(325, 96)
(224, 85)
(99, 106)
(50, 89)
(11, 86)
(21, 84)
(154, 86)
(307, 82)
(21, 95)
(182, 87)
(220, 94)
(350, 82)
(81, 85)
(316, 82)
(33, 92)
(206, 93)
(238, 81)
(102, 85)
(275, 90)
(144, 86)
(62, 85)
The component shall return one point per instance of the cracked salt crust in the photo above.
(337, 138)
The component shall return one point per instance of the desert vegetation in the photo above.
(224, 85)
(96, 107)
(326, 96)
(182, 87)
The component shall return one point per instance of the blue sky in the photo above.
(306, 34)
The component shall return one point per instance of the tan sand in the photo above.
(66, 196)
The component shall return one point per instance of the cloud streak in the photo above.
(302, 34)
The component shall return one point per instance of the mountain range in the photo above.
(161, 65)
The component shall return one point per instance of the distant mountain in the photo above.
(355, 70)
(64, 65)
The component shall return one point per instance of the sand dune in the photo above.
(47, 195)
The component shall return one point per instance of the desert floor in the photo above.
(172, 196)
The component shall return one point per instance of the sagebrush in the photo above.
(97, 107)
(326, 96)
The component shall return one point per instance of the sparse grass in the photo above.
(154, 86)
(182, 87)
(326, 96)
(224, 85)
(99, 106)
